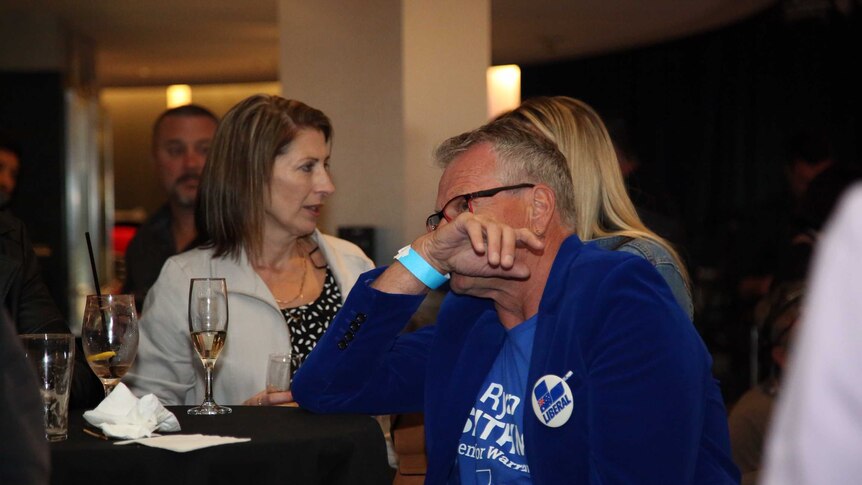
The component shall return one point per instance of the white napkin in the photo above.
(122, 415)
(185, 442)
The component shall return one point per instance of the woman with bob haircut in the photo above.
(264, 185)
(604, 213)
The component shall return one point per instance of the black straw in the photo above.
(93, 265)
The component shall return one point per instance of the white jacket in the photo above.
(167, 364)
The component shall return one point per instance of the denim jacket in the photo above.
(658, 257)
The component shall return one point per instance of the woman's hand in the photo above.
(264, 398)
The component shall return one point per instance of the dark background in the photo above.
(33, 113)
(709, 117)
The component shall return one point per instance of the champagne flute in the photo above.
(109, 336)
(208, 318)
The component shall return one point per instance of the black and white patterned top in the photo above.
(307, 323)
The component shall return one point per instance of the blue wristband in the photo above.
(420, 268)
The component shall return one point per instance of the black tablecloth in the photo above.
(288, 445)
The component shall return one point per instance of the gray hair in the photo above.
(522, 156)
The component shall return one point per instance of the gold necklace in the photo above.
(301, 286)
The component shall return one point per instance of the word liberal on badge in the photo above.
(552, 400)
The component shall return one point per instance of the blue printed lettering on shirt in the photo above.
(491, 448)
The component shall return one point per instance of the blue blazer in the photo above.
(646, 408)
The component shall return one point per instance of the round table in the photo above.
(288, 445)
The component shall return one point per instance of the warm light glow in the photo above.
(179, 95)
(504, 89)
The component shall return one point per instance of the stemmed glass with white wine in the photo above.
(109, 336)
(208, 318)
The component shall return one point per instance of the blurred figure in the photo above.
(818, 182)
(808, 155)
(786, 228)
(10, 164)
(30, 307)
(263, 189)
(751, 415)
(817, 433)
(605, 213)
(22, 433)
(181, 141)
(647, 190)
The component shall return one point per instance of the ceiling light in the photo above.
(504, 89)
(178, 95)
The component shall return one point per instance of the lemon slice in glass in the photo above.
(102, 356)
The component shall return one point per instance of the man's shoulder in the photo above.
(590, 271)
(158, 221)
(10, 226)
(599, 258)
(14, 241)
(154, 231)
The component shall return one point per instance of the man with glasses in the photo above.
(550, 362)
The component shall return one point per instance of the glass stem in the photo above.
(108, 388)
(208, 396)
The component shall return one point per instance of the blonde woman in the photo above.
(603, 210)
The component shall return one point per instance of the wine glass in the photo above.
(208, 317)
(109, 336)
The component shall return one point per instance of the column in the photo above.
(396, 77)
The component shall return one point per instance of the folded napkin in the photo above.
(185, 442)
(122, 415)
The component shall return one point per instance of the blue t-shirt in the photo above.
(491, 448)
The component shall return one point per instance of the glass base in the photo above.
(209, 409)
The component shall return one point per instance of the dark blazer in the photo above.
(646, 408)
(31, 308)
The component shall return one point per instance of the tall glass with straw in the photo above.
(109, 336)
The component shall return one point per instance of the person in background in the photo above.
(751, 415)
(784, 227)
(29, 305)
(605, 214)
(181, 140)
(551, 361)
(262, 193)
(647, 190)
(816, 435)
(10, 164)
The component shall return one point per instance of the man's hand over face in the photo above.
(476, 245)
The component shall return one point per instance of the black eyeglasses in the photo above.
(464, 203)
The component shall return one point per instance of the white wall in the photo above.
(396, 77)
(447, 50)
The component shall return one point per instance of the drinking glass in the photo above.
(109, 336)
(280, 369)
(53, 357)
(208, 318)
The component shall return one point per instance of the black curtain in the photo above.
(709, 116)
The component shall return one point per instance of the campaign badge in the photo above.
(552, 400)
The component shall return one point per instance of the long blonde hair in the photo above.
(602, 204)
